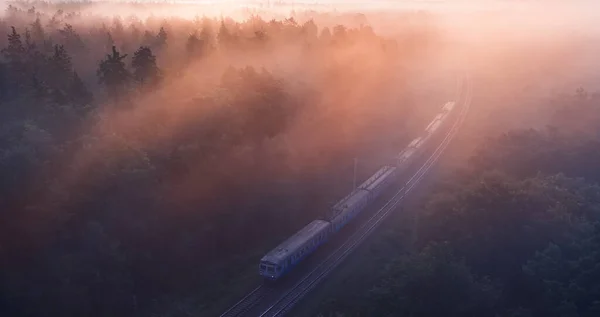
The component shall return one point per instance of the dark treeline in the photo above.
(517, 233)
(145, 164)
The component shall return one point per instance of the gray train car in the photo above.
(286, 255)
(379, 181)
(349, 207)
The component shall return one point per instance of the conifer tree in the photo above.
(144, 64)
(148, 39)
(60, 69)
(34, 64)
(113, 74)
(195, 46)
(208, 37)
(14, 55)
(15, 51)
(78, 91)
(37, 31)
(61, 61)
(161, 38)
(72, 39)
(224, 35)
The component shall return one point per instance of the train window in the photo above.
(263, 267)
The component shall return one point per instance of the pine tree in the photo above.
(15, 51)
(61, 61)
(56, 20)
(37, 31)
(161, 38)
(325, 36)
(113, 74)
(310, 29)
(60, 69)
(72, 39)
(224, 37)
(34, 64)
(207, 37)
(148, 39)
(195, 46)
(78, 91)
(14, 55)
(144, 64)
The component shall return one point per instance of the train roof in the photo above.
(350, 199)
(341, 207)
(347, 202)
(406, 153)
(377, 178)
(434, 126)
(438, 117)
(448, 106)
(415, 143)
(293, 243)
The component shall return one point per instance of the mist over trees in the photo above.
(144, 162)
(513, 232)
(147, 161)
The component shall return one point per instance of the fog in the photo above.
(251, 132)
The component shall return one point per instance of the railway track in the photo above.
(242, 306)
(292, 295)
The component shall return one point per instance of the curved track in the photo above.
(279, 305)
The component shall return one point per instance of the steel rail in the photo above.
(245, 303)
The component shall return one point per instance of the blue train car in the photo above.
(379, 181)
(347, 208)
(412, 151)
(286, 255)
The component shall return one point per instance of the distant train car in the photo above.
(379, 181)
(348, 207)
(433, 127)
(440, 120)
(286, 255)
(415, 143)
(437, 118)
(412, 150)
(448, 106)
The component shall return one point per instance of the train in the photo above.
(283, 258)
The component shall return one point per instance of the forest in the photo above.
(150, 155)
(515, 231)
(147, 162)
